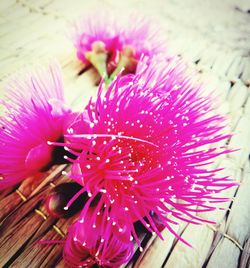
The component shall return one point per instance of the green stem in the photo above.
(122, 64)
(98, 60)
(126, 62)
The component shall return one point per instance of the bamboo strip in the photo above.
(8, 204)
(246, 72)
(27, 189)
(220, 257)
(208, 59)
(44, 255)
(230, 169)
(240, 140)
(200, 237)
(238, 223)
(218, 234)
(235, 69)
(225, 235)
(237, 227)
(156, 253)
(33, 247)
(247, 108)
(221, 64)
(19, 213)
(245, 256)
(15, 237)
(237, 96)
(6, 192)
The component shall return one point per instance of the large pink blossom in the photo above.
(92, 241)
(112, 42)
(142, 149)
(34, 113)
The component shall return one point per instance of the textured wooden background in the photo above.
(213, 37)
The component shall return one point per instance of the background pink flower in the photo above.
(34, 114)
(111, 42)
(97, 27)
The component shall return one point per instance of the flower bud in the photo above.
(56, 202)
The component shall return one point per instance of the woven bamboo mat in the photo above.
(213, 37)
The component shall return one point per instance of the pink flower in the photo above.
(111, 43)
(34, 114)
(92, 242)
(141, 149)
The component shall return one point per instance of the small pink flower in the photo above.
(34, 114)
(111, 43)
(141, 149)
(91, 242)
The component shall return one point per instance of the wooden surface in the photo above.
(213, 37)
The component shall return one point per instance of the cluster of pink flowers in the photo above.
(136, 150)
(111, 45)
